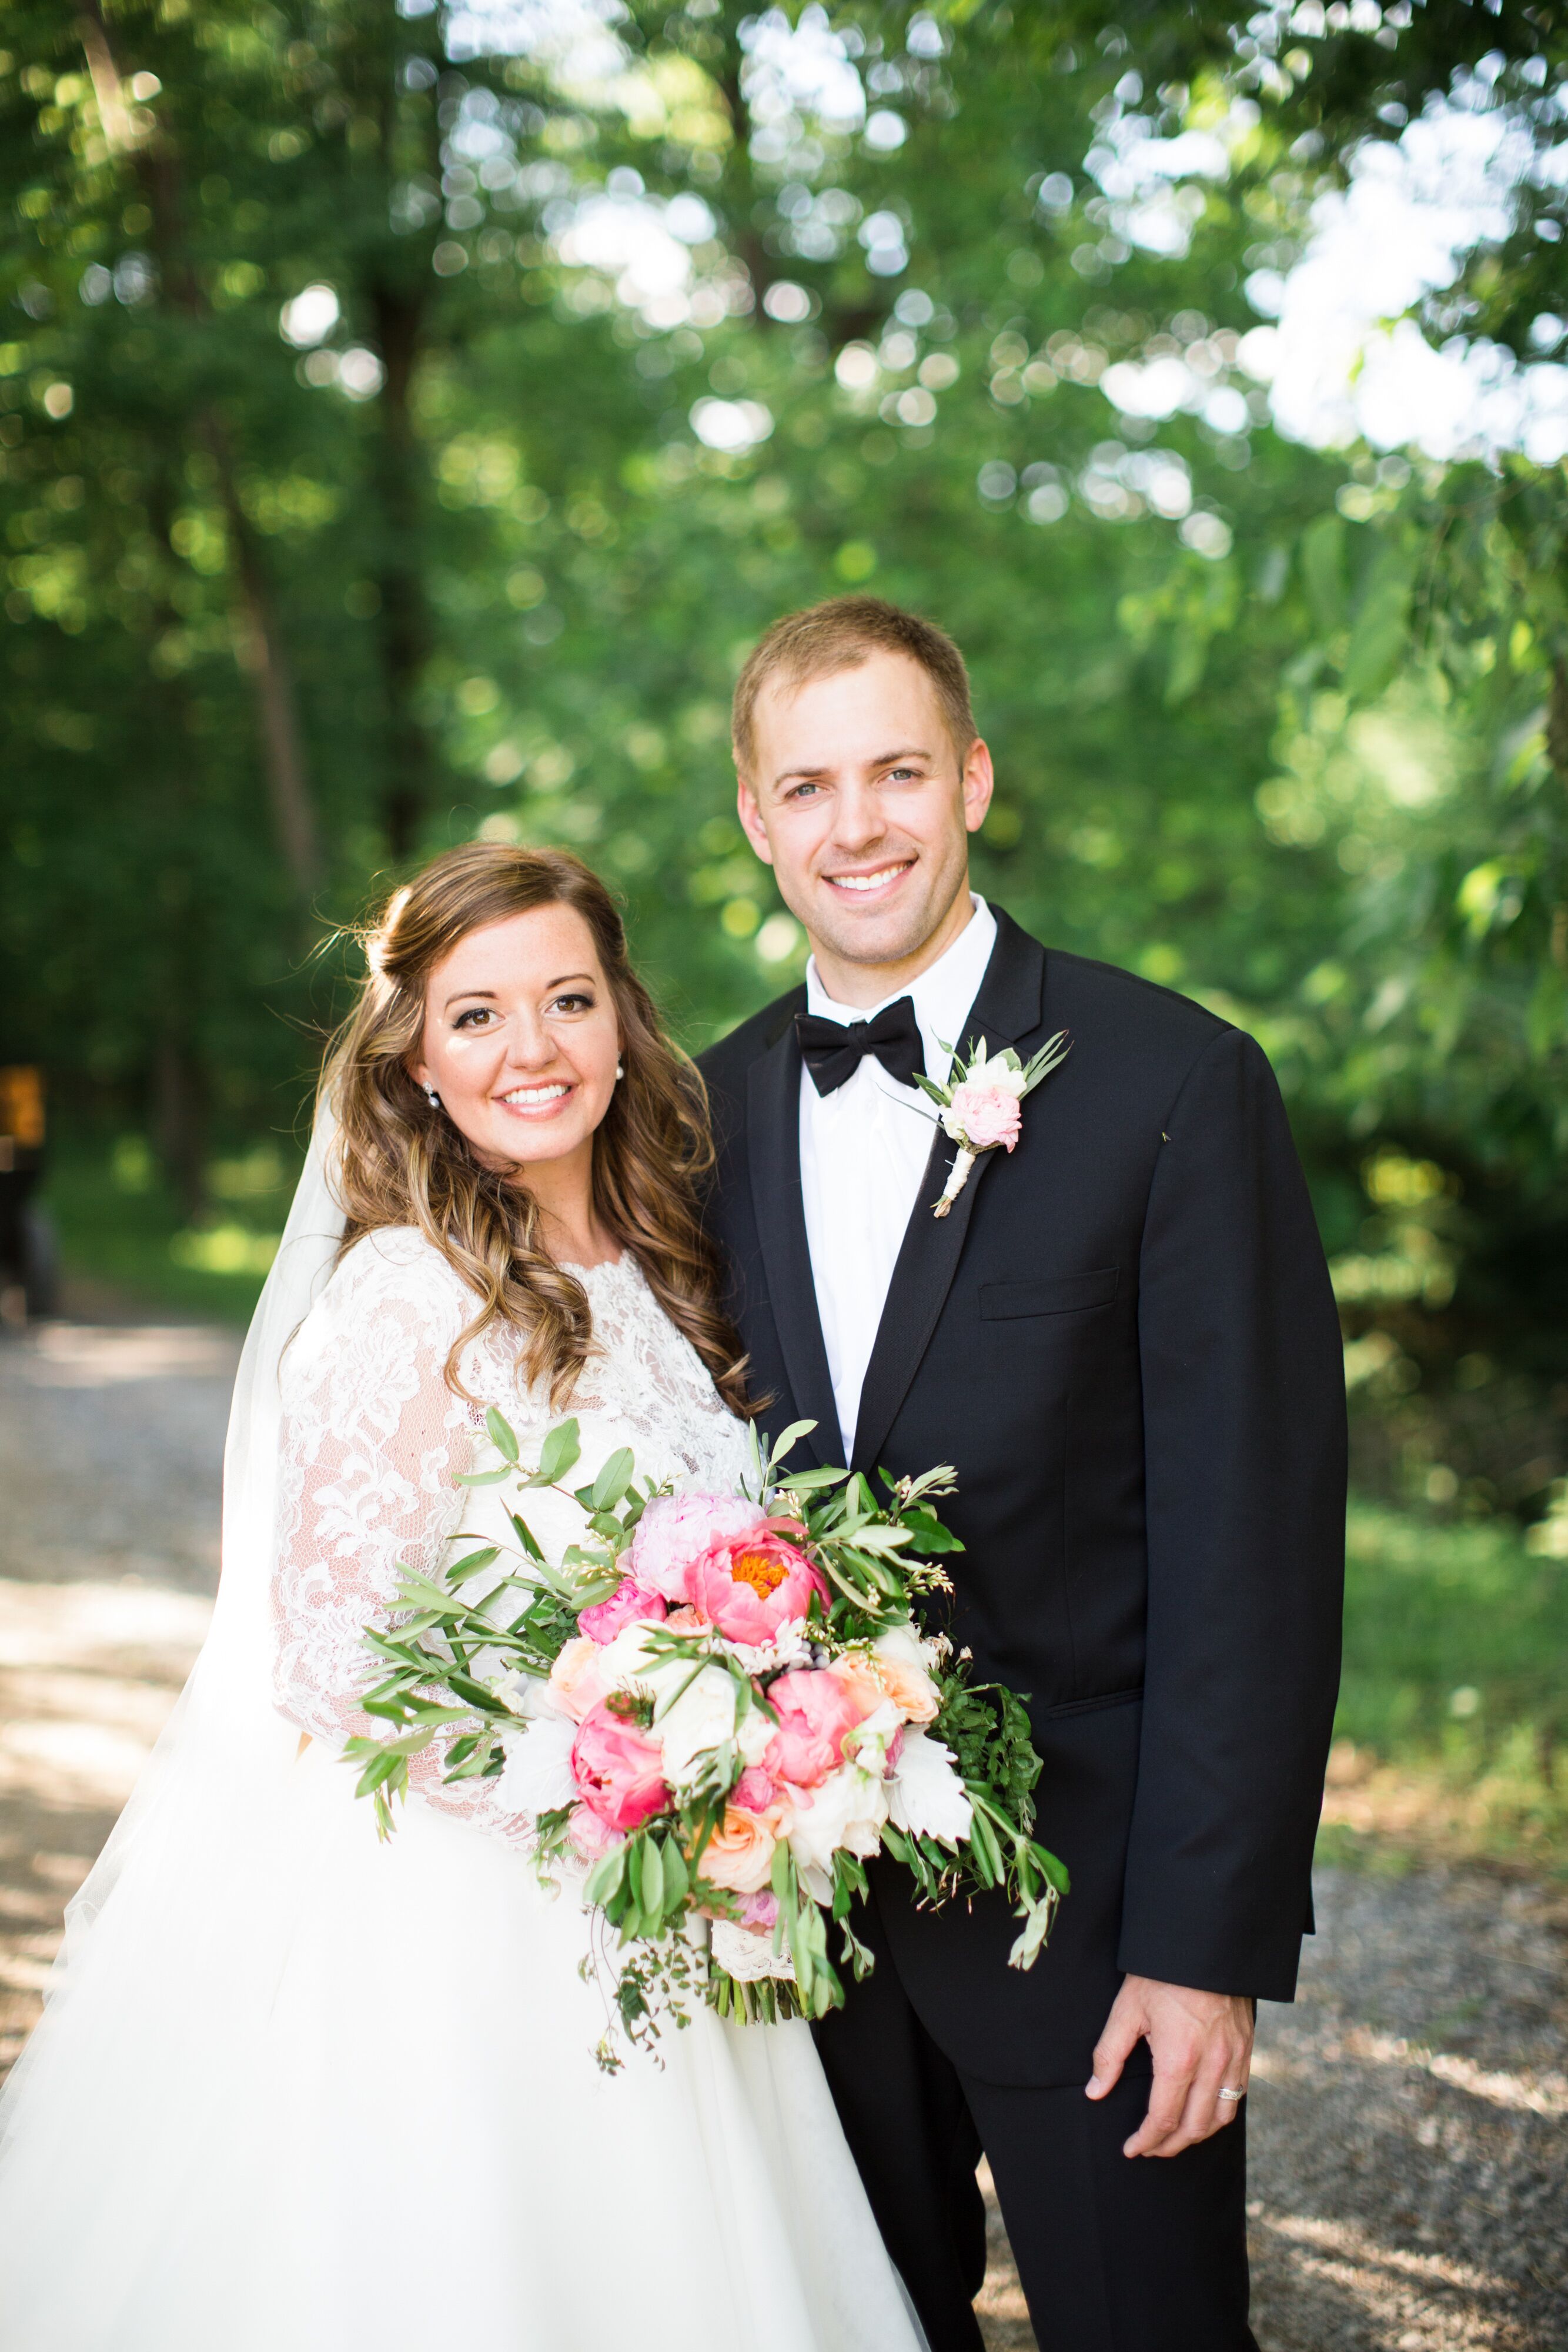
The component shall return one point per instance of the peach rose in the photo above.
(740, 1855)
(577, 1680)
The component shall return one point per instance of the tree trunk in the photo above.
(404, 619)
(259, 638)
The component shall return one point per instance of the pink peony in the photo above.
(630, 1602)
(590, 1835)
(753, 1792)
(986, 1116)
(760, 1911)
(676, 1529)
(815, 1711)
(619, 1769)
(751, 1584)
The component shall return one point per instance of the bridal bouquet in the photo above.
(722, 1705)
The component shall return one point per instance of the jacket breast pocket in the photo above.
(1057, 1294)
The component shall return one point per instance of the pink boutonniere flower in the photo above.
(981, 1104)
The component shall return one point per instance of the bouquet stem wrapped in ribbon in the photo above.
(722, 1706)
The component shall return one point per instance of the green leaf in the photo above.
(1322, 569)
(502, 1436)
(790, 1437)
(677, 1878)
(605, 1879)
(482, 1477)
(1380, 628)
(470, 1565)
(613, 1480)
(525, 1536)
(651, 1877)
(561, 1450)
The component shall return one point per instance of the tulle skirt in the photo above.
(359, 2104)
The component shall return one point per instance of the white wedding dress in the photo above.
(340, 2093)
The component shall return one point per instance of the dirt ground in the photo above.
(1409, 2116)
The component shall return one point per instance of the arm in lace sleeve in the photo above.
(372, 1438)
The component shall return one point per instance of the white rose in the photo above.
(905, 1645)
(926, 1796)
(700, 1719)
(994, 1072)
(537, 1774)
(753, 1734)
(527, 1694)
(626, 1664)
(848, 1809)
(870, 1740)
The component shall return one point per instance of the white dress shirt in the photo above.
(863, 1150)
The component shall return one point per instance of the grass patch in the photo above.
(1452, 1729)
(120, 1225)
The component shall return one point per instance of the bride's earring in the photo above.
(620, 1070)
(433, 1097)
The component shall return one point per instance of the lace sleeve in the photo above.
(372, 1438)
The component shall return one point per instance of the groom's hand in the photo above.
(1201, 2042)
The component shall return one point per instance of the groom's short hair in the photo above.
(840, 635)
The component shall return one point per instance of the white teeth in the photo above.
(531, 1095)
(865, 881)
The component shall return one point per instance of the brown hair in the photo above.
(840, 635)
(401, 1160)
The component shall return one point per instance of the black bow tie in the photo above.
(833, 1050)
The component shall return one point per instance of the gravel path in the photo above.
(1409, 2116)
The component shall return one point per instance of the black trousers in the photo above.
(1116, 2253)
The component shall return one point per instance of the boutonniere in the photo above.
(981, 1104)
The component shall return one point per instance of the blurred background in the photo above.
(409, 416)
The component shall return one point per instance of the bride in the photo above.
(295, 2087)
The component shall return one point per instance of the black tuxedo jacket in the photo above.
(1123, 1338)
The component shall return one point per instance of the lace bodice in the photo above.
(373, 1438)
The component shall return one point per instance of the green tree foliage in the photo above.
(477, 541)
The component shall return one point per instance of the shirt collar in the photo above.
(942, 994)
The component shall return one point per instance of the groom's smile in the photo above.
(880, 877)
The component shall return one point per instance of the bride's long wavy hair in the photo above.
(401, 1160)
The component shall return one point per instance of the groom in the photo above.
(1123, 1335)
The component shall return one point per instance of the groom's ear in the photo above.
(979, 781)
(750, 811)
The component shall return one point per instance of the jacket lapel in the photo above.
(773, 1153)
(1007, 1007)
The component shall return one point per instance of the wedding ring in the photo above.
(1230, 2095)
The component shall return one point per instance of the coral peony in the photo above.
(630, 1603)
(816, 1710)
(676, 1529)
(751, 1584)
(619, 1769)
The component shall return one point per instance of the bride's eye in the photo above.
(575, 1002)
(473, 1017)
